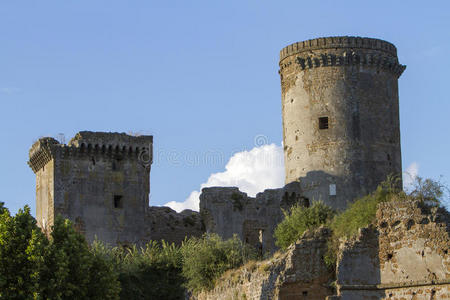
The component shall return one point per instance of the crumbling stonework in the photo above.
(228, 211)
(405, 256)
(300, 273)
(341, 129)
(101, 182)
(163, 223)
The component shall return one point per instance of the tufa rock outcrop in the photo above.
(404, 255)
(300, 273)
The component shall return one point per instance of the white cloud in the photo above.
(409, 176)
(251, 171)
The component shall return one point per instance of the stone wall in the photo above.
(163, 223)
(300, 273)
(228, 211)
(405, 256)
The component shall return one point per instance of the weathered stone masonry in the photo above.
(300, 273)
(341, 128)
(101, 182)
(341, 136)
(228, 211)
(404, 255)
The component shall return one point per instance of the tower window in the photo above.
(323, 123)
(118, 202)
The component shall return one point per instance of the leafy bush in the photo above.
(153, 272)
(428, 191)
(298, 220)
(362, 212)
(206, 259)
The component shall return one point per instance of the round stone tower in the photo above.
(341, 127)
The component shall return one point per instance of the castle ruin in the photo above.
(341, 134)
(341, 138)
(403, 256)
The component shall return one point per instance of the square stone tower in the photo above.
(100, 181)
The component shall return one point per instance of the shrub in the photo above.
(152, 272)
(298, 219)
(103, 278)
(207, 258)
(428, 191)
(362, 212)
(359, 214)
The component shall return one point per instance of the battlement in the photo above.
(107, 139)
(41, 153)
(384, 62)
(339, 42)
(88, 142)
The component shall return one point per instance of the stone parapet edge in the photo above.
(352, 42)
(47, 149)
(384, 62)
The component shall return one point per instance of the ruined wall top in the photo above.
(87, 142)
(350, 42)
(109, 139)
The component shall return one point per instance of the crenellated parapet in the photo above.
(349, 58)
(88, 143)
(342, 51)
(41, 153)
(338, 42)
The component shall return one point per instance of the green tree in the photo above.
(298, 219)
(69, 270)
(363, 211)
(18, 273)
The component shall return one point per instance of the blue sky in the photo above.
(199, 75)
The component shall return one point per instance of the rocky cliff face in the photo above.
(403, 255)
(300, 273)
